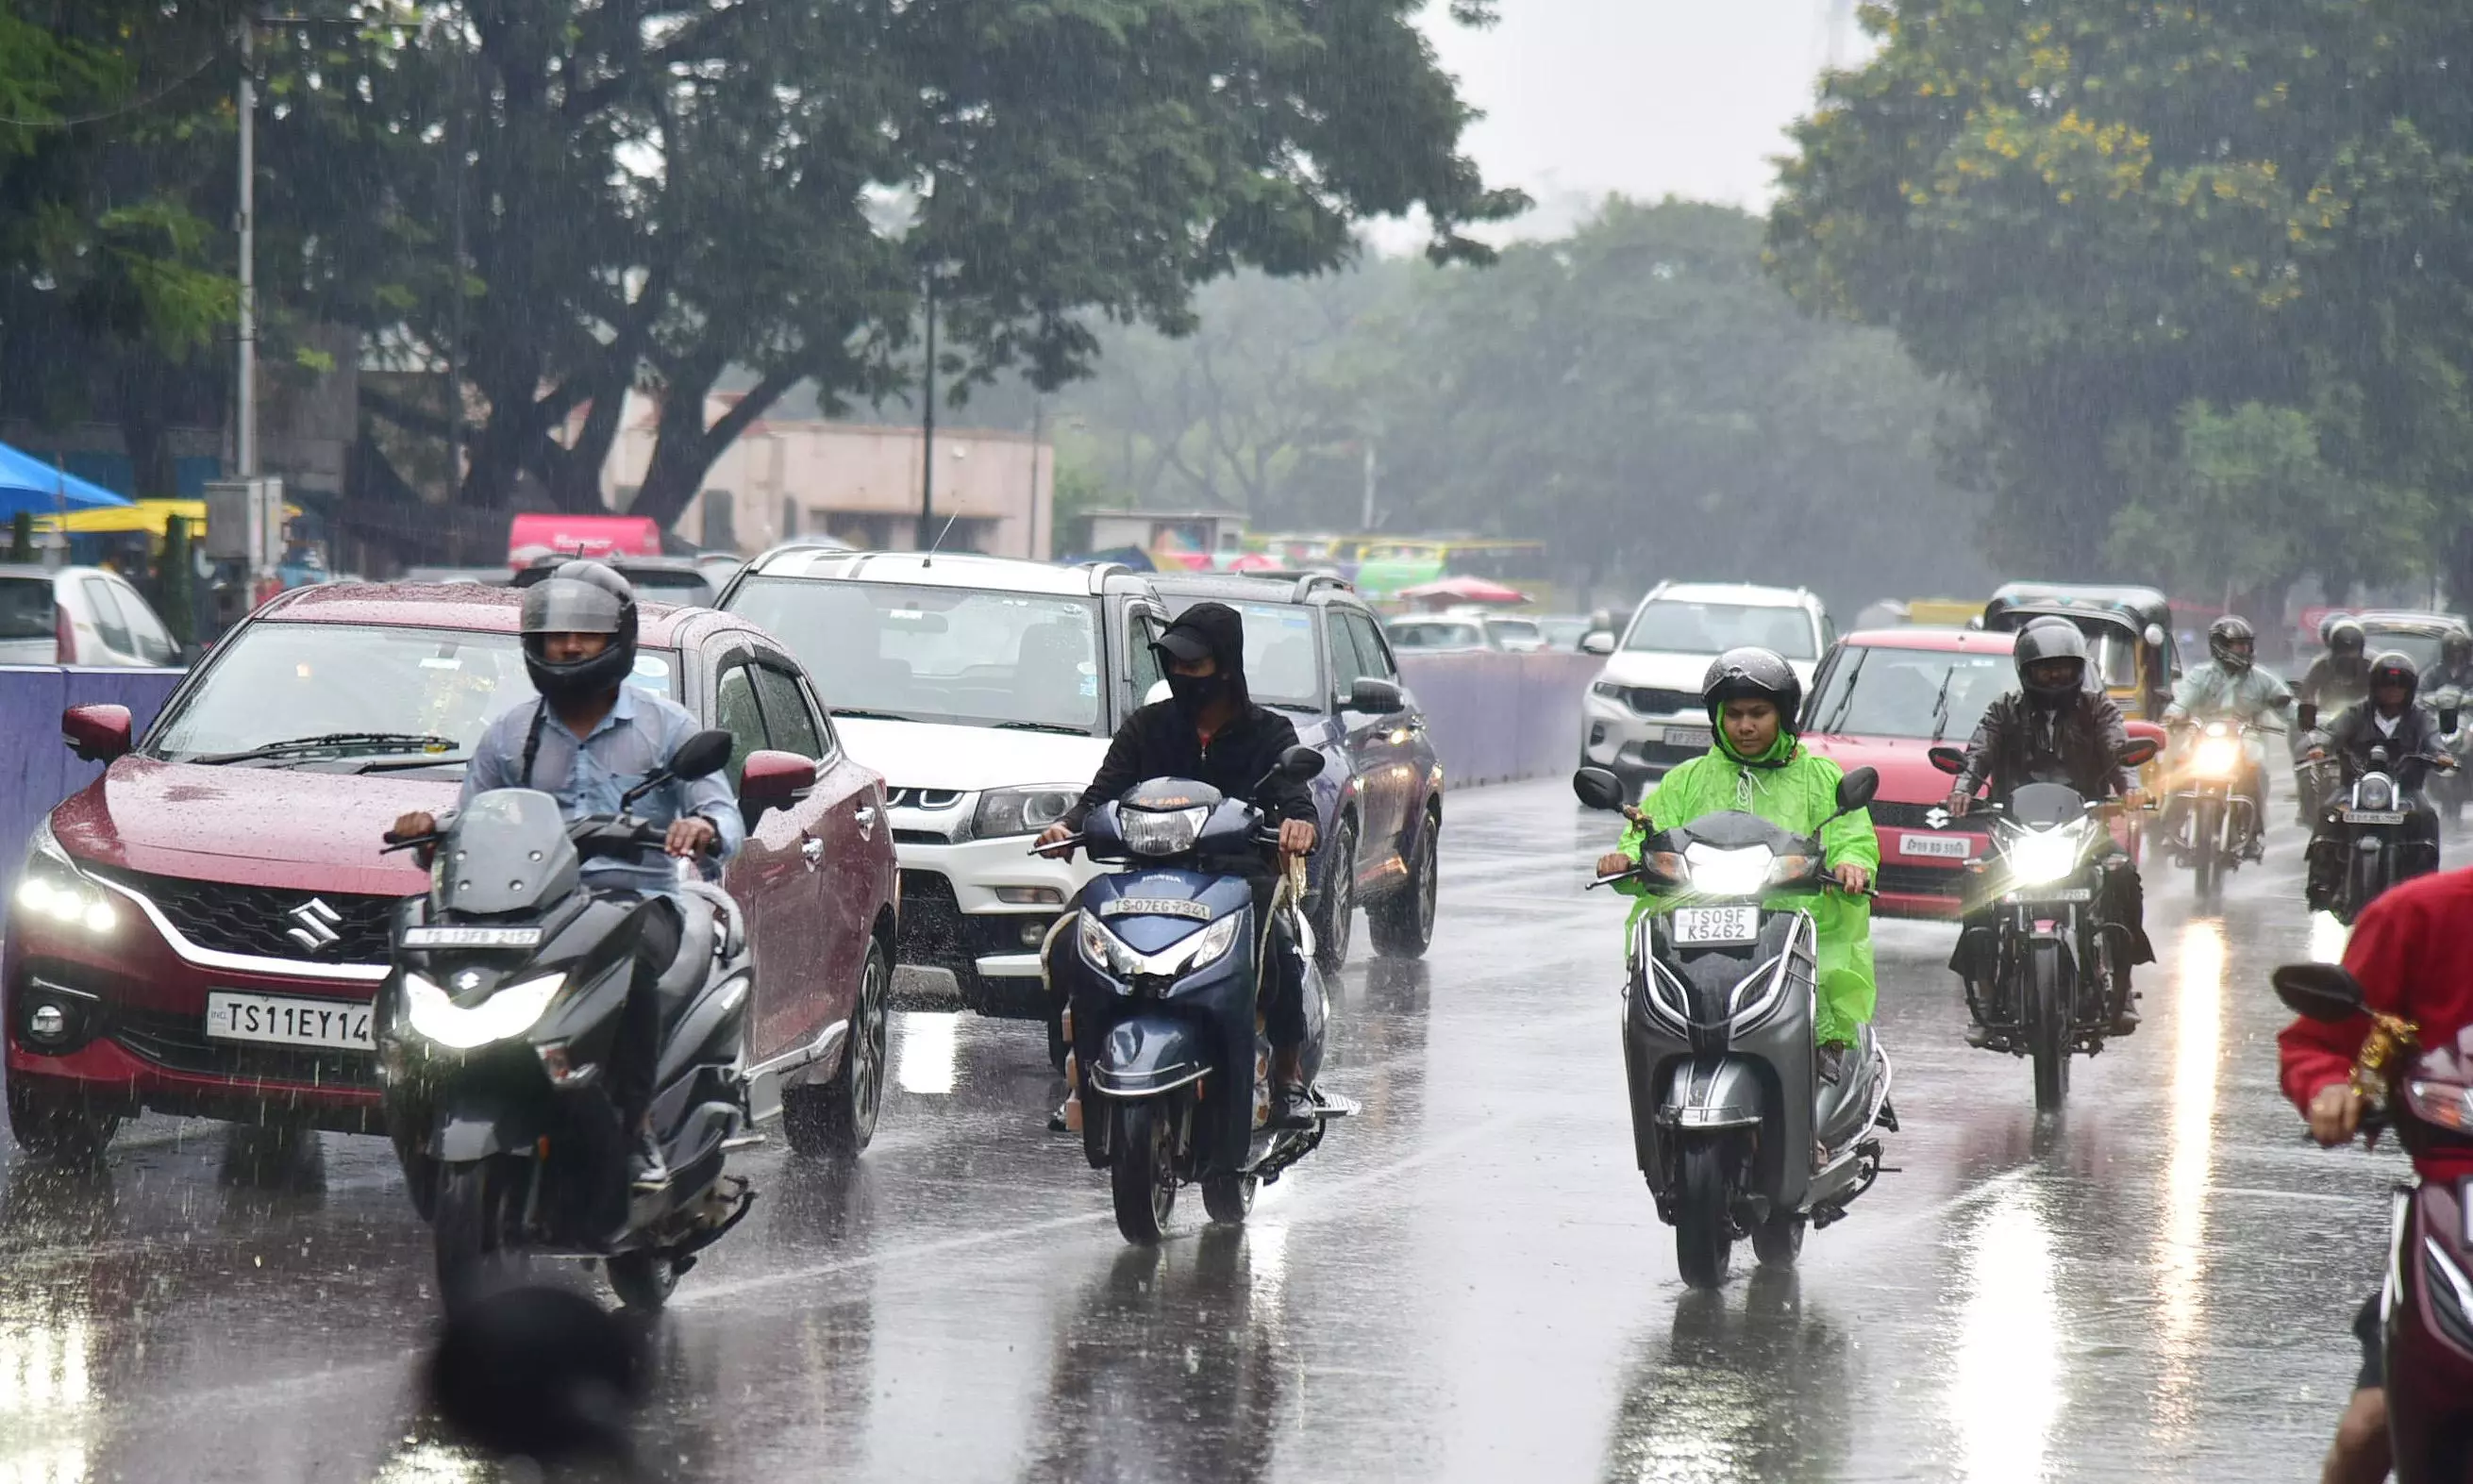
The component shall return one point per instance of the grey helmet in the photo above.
(580, 597)
(2226, 632)
(1753, 673)
(2043, 641)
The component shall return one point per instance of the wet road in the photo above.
(1467, 1283)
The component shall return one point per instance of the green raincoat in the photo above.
(1797, 794)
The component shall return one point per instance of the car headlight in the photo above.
(1022, 811)
(510, 1012)
(53, 888)
(1195, 950)
(1722, 873)
(2040, 857)
(1607, 689)
(2219, 757)
(1161, 831)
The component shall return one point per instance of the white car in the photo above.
(1643, 714)
(85, 616)
(985, 689)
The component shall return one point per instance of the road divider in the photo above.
(1494, 717)
(37, 769)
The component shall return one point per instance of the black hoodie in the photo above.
(1160, 741)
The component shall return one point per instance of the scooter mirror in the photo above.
(2307, 718)
(1856, 789)
(2319, 991)
(1948, 759)
(707, 752)
(2448, 716)
(1597, 788)
(1301, 764)
(2137, 752)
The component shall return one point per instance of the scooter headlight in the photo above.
(1195, 950)
(1105, 951)
(1161, 831)
(1212, 943)
(2376, 791)
(2040, 857)
(2219, 757)
(510, 1012)
(1722, 873)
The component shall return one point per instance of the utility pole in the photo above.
(927, 430)
(245, 409)
(1367, 523)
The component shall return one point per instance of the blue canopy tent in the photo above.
(29, 484)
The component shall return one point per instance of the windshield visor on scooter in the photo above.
(508, 852)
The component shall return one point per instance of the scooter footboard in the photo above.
(1148, 1055)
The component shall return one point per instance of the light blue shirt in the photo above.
(587, 776)
(2211, 692)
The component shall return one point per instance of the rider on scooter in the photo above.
(588, 739)
(2412, 958)
(2390, 719)
(1210, 730)
(2053, 729)
(2338, 679)
(1756, 764)
(2230, 686)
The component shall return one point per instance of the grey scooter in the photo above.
(1731, 1124)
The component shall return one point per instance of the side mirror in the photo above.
(1856, 789)
(1602, 642)
(1376, 696)
(2307, 718)
(96, 733)
(2155, 636)
(705, 752)
(774, 780)
(1301, 764)
(1597, 788)
(1948, 759)
(2138, 751)
(2319, 991)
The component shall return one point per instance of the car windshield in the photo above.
(275, 682)
(1676, 626)
(1877, 691)
(26, 607)
(966, 655)
(1279, 667)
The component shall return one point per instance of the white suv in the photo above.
(985, 690)
(1643, 714)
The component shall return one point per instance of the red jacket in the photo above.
(2413, 951)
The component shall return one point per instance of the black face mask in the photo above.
(1194, 693)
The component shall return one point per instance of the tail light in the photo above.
(64, 636)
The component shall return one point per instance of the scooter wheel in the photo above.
(1779, 1240)
(1229, 1198)
(643, 1280)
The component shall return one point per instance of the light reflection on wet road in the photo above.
(1467, 1283)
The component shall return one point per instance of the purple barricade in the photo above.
(1496, 717)
(37, 769)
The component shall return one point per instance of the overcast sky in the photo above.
(1646, 97)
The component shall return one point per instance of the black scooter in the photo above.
(494, 1032)
(1169, 1069)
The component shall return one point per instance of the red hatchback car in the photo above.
(201, 929)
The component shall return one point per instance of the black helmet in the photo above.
(2456, 646)
(1753, 673)
(2226, 632)
(580, 597)
(2344, 636)
(2043, 641)
(2395, 667)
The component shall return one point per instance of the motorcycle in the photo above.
(1731, 1124)
(2218, 821)
(2368, 822)
(2425, 1093)
(2450, 787)
(495, 1025)
(2057, 986)
(1168, 1070)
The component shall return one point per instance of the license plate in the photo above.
(1689, 737)
(287, 1022)
(2373, 816)
(1716, 924)
(2073, 893)
(1944, 847)
(472, 937)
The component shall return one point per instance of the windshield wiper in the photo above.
(337, 742)
(1055, 727)
(1941, 703)
(861, 714)
(407, 764)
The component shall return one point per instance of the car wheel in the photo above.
(58, 1126)
(838, 1117)
(1338, 918)
(1403, 923)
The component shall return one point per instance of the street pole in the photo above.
(926, 538)
(1030, 516)
(1367, 522)
(245, 409)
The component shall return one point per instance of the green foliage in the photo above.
(2113, 219)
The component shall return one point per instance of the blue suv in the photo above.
(1315, 651)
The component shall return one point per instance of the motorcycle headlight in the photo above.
(1722, 873)
(1161, 831)
(2218, 757)
(2039, 857)
(510, 1012)
(53, 888)
(1022, 811)
(2375, 791)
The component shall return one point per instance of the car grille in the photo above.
(1649, 701)
(259, 920)
(179, 1043)
(1904, 815)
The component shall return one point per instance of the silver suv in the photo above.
(1643, 714)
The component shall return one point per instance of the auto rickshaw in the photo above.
(2129, 633)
